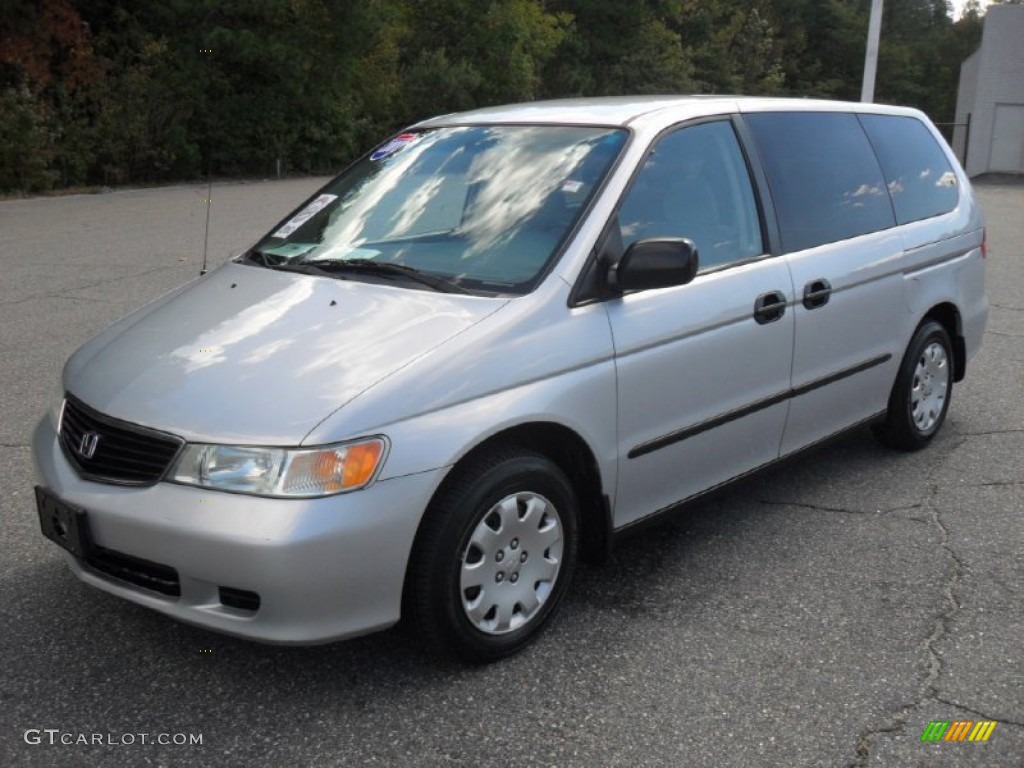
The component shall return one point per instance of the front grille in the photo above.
(142, 573)
(122, 453)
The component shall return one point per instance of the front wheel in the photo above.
(494, 556)
(920, 397)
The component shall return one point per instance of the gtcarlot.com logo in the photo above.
(958, 730)
(57, 737)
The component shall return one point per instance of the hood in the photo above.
(254, 356)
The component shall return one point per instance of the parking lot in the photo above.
(821, 614)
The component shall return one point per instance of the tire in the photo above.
(493, 557)
(920, 397)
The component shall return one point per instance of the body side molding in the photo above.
(687, 432)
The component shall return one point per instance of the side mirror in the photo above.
(657, 263)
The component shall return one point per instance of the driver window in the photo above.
(695, 184)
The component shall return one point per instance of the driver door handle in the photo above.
(769, 307)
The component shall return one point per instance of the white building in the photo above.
(991, 97)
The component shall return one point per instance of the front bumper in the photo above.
(324, 569)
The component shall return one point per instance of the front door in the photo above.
(703, 369)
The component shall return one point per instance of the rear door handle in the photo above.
(817, 293)
(769, 307)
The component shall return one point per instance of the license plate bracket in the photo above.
(63, 523)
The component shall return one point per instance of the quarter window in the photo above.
(695, 184)
(920, 180)
(824, 177)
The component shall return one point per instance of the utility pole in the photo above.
(867, 91)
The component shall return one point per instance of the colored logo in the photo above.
(87, 445)
(394, 145)
(958, 730)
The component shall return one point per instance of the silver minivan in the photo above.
(499, 341)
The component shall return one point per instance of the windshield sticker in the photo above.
(394, 145)
(345, 252)
(571, 186)
(291, 250)
(305, 215)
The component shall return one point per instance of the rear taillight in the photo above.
(984, 243)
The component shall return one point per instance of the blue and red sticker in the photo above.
(401, 140)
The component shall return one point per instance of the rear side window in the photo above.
(823, 175)
(920, 180)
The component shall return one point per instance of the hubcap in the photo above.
(511, 563)
(930, 387)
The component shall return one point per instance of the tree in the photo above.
(102, 91)
(46, 60)
(617, 48)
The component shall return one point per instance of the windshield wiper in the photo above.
(305, 269)
(369, 266)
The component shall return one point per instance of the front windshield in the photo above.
(483, 207)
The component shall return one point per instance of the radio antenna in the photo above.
(209, 200)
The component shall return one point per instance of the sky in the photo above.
(959, 4)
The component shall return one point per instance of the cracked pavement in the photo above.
(819, 614)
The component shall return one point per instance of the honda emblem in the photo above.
(87, 445)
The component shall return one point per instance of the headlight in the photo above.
(287, 472)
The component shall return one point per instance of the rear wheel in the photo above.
(920, 397)
(494, 556)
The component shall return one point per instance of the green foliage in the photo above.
(106, 92)
(25, 142)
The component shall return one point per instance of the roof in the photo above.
(622, 110)
(601, 110)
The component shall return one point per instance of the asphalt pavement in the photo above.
(821, 614)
